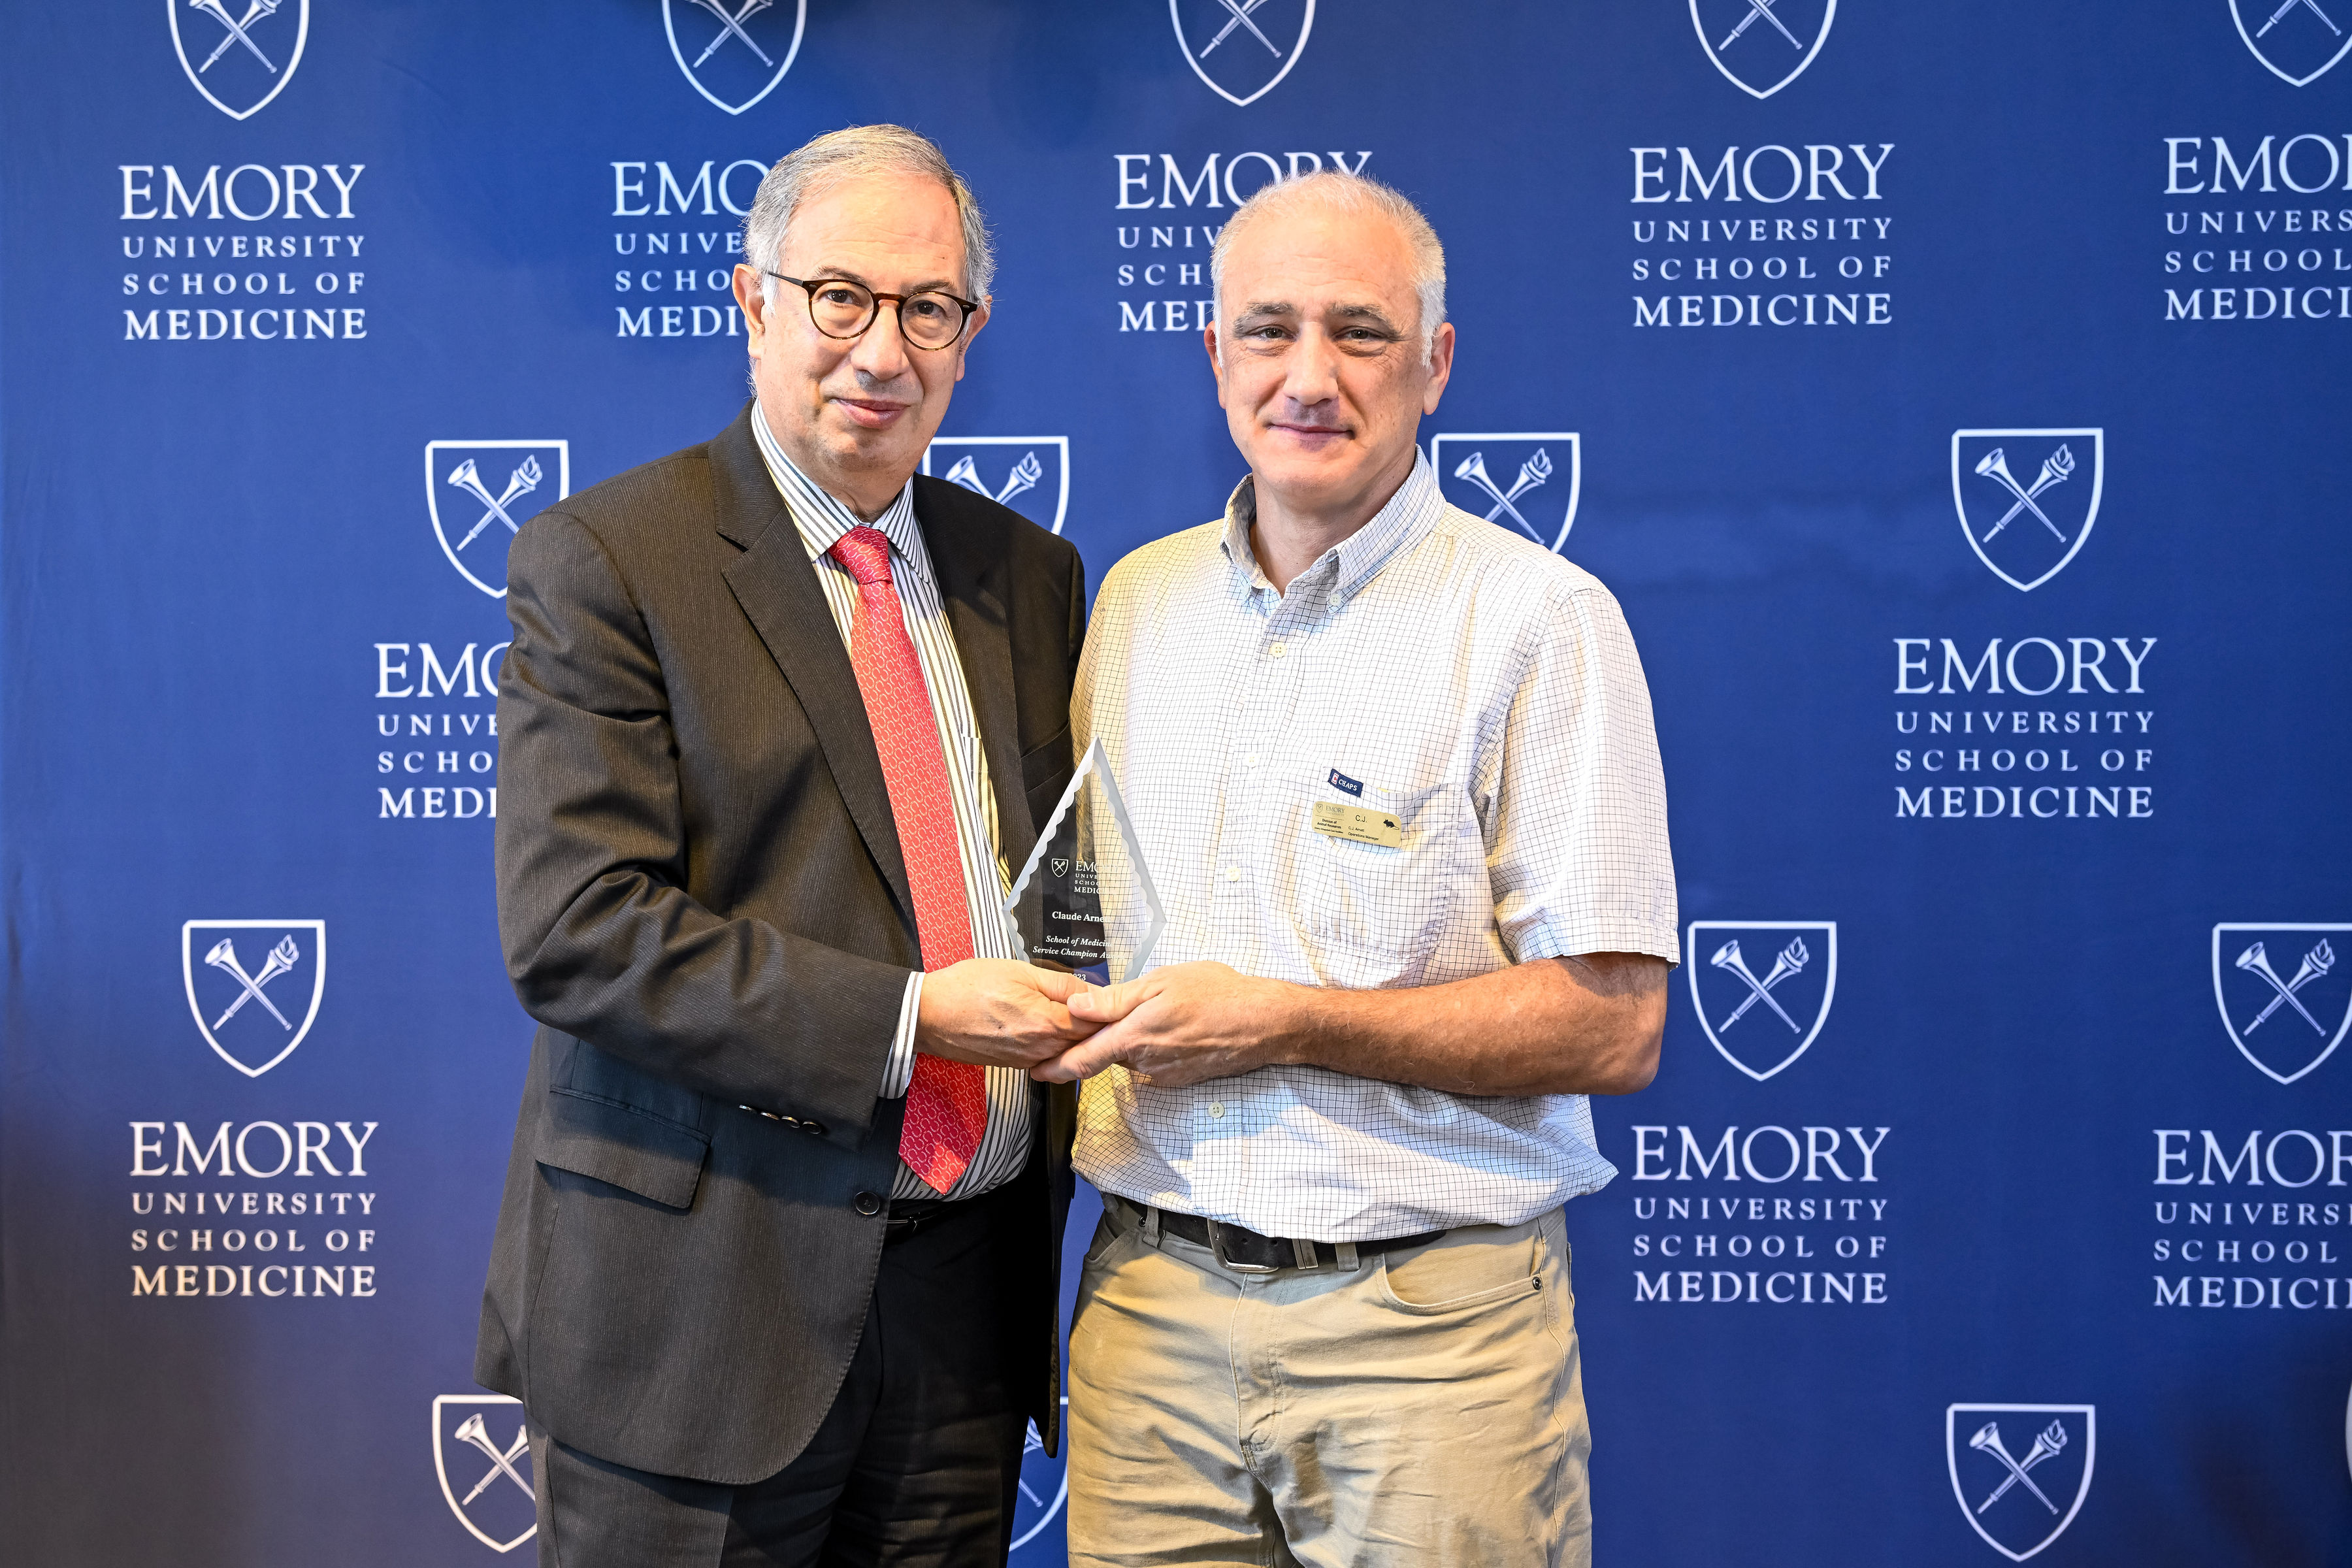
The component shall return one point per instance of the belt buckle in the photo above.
(1217, 1245)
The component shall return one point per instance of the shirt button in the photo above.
(1233, 873)
(1250, 761)
(866, 1203)
(1216, 1107)
(1277, 651)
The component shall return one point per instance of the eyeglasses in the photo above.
(840, 309)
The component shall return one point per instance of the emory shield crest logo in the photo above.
(486, 1480)
(1762, 45)
(1526, 481)
(1031, 474)
(2028, 499)
(1045, 1488)
(2285, 995)
(1241, 48)
(2297, 42)
(480, 493)
(1762, 989)
(2019, 1472)
(239, 54)
(254, 986)
(734, 52)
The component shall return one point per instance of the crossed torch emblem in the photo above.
(1533, 474)
(2056, 469)
(1760, 9)
(521, 482)
(254, 11)
(1025, 475)
(2317, 963)
(1788, 961)
(2280, 15)
(1241, 10)
(472, 1430)
(282, 957)
(2047, 1443)
(730, 25)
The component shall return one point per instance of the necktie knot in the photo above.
(865, 554)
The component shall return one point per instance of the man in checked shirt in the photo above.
(1394, 773)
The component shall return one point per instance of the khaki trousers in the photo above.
(1425, 1408)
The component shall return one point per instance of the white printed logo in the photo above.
(2299, 36)
(241, 60)
(248, 1015)
(1245, 47)
(2285, 997)
(734, 52)
(2026, 530)
(1045, 1488)
(480, 493)
(1526, 481)
(1762, 1022)
(1031, 474)
(498, 1507)
(2021, 1500)
(1762, 45)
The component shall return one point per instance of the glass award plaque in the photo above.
(1084, 902)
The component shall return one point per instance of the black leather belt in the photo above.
(1246, 1252)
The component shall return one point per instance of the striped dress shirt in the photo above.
(822, 520)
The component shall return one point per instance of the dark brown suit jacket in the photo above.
(702, 901)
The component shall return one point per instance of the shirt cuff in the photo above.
(899, 1070)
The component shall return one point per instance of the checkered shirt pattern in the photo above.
(822, 520)
(1487, 694)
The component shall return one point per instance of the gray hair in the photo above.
(851, 153)
(1360, 196)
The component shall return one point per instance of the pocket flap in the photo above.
(613, 1143)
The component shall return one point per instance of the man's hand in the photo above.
(997, 1013)
(1184, 1024)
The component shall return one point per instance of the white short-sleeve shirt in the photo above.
(1485, 693)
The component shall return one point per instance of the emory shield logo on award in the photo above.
(2028, 499)
(2298, 42)
(1241, 48)
(254, 986)
(239, 54)
(480, 493)
(1527, 482)
(1762, 989)
(1045, 1488)
(497, 1504)
(2021, 1490)
(734, 52)
(1031, 474)
(1762, 45)
(2285, 997)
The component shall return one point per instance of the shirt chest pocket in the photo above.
(1372, 914)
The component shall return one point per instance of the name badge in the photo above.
(1357, 824)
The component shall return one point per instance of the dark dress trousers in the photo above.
(702, 902)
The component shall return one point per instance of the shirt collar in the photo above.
(1410, 513)
(822, 517)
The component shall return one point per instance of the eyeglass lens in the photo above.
(843, 310)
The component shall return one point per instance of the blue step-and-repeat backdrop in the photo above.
(1955, 395)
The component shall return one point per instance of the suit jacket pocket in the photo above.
(1045, 770)
(635, 1150)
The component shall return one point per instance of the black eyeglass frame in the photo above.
(898, 303)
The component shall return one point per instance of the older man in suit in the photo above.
(774, 1275)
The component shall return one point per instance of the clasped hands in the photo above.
(1182, 1024)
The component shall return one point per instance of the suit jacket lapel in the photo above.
(777, 588)
(972, 582)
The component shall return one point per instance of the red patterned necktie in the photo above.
(947, 1101)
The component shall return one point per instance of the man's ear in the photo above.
(972, 331)
(1441, 366)
(753, 304)
(1216, 366)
